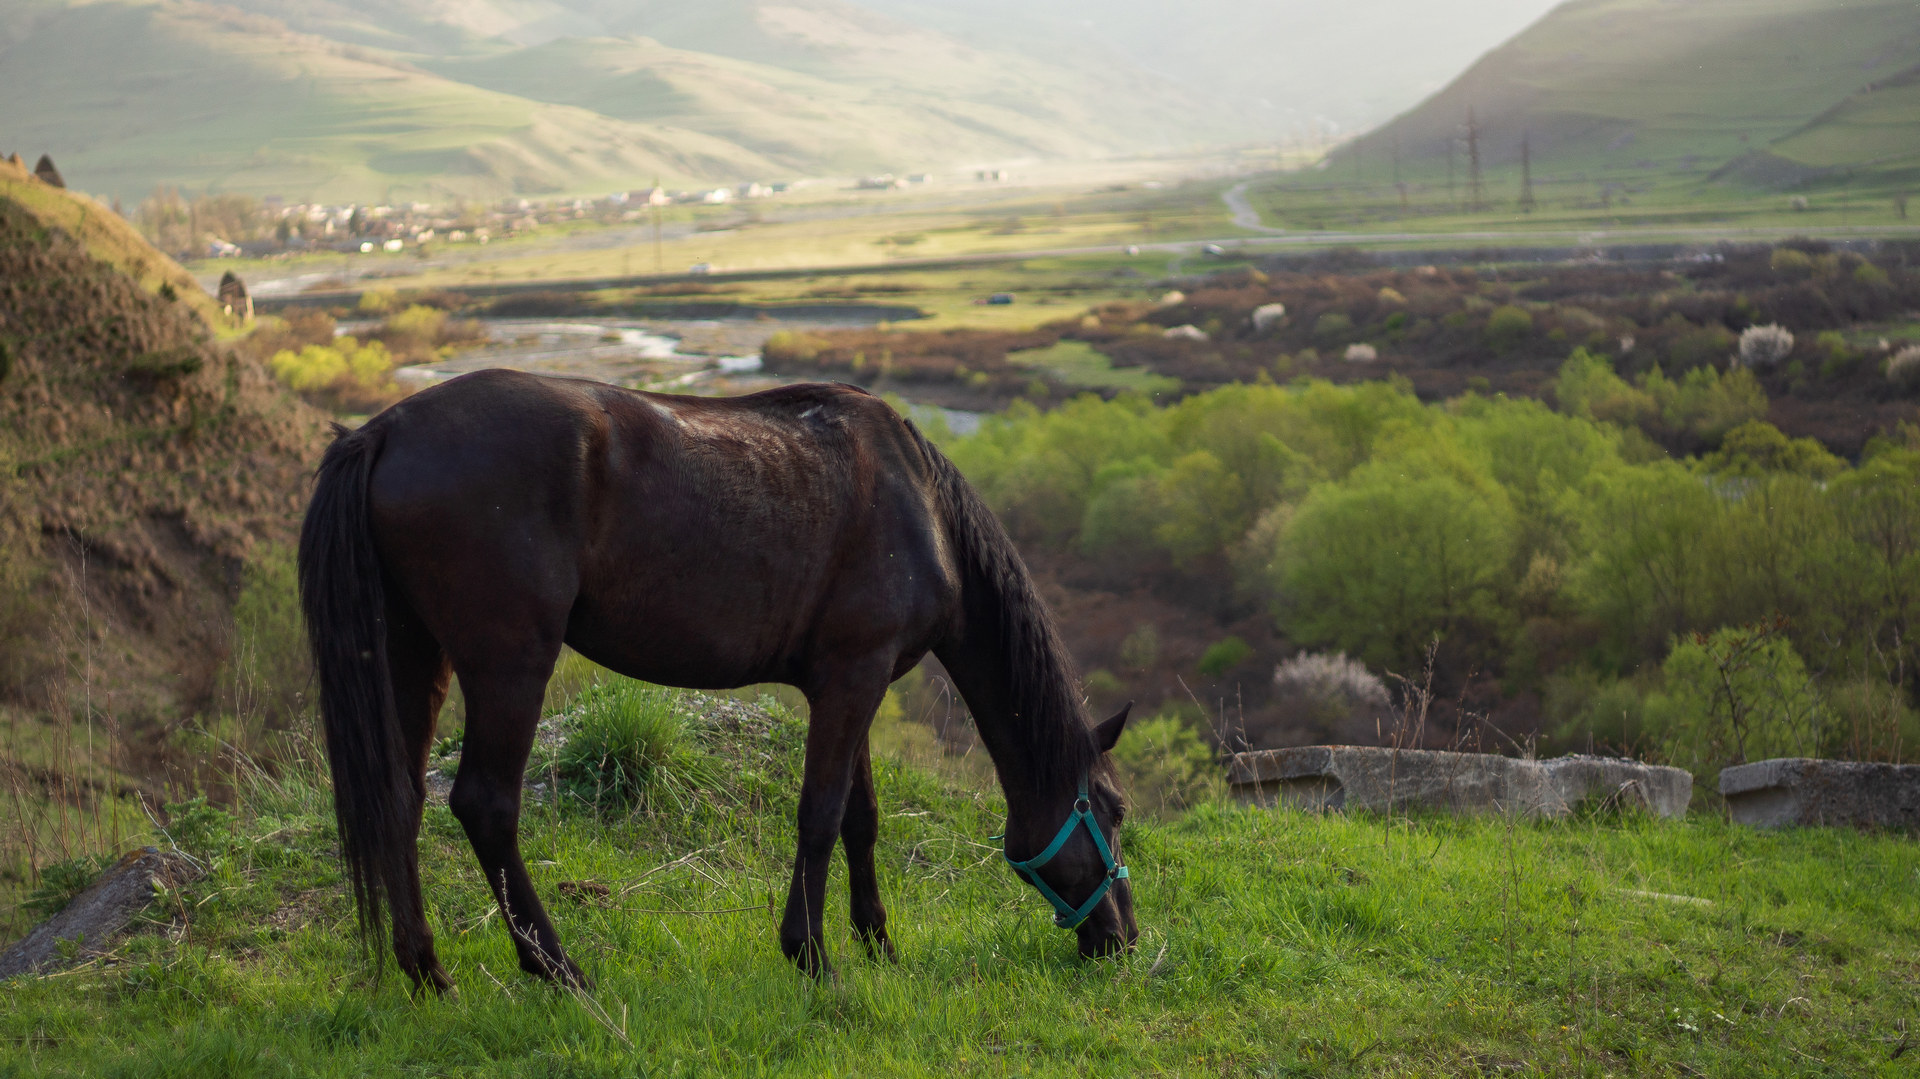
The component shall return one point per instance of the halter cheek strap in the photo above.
(1066, 915)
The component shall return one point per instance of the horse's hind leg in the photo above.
(503, 711)
(420, 674)
(859, 831)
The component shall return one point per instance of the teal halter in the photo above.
(1066, 915)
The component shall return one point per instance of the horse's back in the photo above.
(690, 540)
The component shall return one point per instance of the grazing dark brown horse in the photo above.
(806, 535)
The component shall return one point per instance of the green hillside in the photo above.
(357, 101)
(797, 120)
(1623, 88)
(206, 97)
(1874, 130)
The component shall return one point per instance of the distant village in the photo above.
(233, 226)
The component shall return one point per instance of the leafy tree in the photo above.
(1650, 567)
(1589, 388)
(1756, 448)
(1381, 563)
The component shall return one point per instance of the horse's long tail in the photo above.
(344, 598)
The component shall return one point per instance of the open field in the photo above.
(1274, 943)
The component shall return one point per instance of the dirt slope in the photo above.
(143, 465)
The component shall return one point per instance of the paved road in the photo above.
(1244, 215)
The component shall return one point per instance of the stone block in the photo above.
(1800, 791)
(1322, 778)
(97, 915)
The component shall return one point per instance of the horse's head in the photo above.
(1068, 847)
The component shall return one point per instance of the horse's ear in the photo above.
(1109, 732)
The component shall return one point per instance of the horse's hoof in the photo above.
(879, 946)
(433, 979)
(811, 958)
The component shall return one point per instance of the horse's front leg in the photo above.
(836, 739)
(859, 831)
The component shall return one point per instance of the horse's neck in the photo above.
(1016, 733)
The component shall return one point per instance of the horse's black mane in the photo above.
(1048, 726)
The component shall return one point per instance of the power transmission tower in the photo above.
(1476, 190)
(1526, 176)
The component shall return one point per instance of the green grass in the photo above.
(1078, 365)
(1274, 943)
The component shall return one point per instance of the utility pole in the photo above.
(1526, 175)
(1453, 198)
(1476, 190)
(1398, 184)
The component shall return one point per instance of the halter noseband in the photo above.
(1066, 915)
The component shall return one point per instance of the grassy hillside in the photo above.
(1613, 88)
(417, 104)
(1272, 944)
(1873, 131)
(129, 94)
(797, 121)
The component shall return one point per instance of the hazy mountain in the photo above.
(1768, 89)
(1274, 68)
(440, 98)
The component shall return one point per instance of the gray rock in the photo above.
(1799, 791)
(97, 915)
(1322, 778)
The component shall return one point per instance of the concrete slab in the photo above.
(97, 915)
(1803, 792)
(1322, 778)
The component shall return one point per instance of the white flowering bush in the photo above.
(1362, 353)
(1764, 346)
(1903, 369)
(1323, 696)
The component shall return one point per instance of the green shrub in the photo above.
(200, 828)
(1224, 655)
(1103, 684)
(1738, 694)
(1141, 649)
(1165, 766)
(1871, 276)
(1589, 388)
(1789, 263)
(1700, 346)
(1507, 326)
(1333, 328)
(628, 747)
(1705, 402)
(62, 881)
